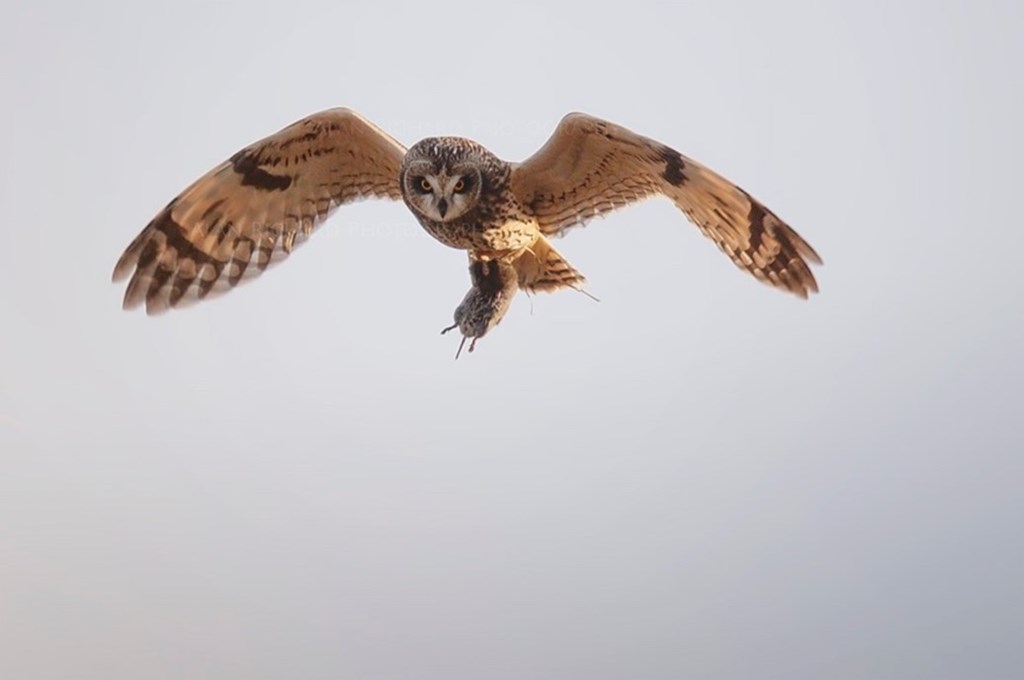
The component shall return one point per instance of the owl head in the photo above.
(442, 178)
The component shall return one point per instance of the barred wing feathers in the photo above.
(256, 207)
(590, 167)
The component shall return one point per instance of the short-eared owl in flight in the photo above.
(256, 207)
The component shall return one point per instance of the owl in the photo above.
(252, 210)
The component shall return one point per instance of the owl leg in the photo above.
(494, 285)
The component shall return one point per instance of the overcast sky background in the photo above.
(696, 477)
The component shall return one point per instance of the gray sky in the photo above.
(696, 477)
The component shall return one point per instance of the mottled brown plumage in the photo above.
(253, 209)
(590, 167)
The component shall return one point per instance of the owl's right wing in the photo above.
(254, 208)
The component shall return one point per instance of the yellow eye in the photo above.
(460, 185)
(425, 185)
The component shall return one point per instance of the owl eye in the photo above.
(460, 186)
(425, 185)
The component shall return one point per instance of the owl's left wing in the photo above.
(590, 167)
(253, 209)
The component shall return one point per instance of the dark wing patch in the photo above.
(673, 172)
(246, 164)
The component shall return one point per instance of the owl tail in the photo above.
(541, 267)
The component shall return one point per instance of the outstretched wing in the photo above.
(590, 167)
(254, 208)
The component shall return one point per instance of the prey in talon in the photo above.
(258, 206)
(494, 285)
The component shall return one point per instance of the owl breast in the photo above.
(492, 238)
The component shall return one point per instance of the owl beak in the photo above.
(442, 207)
